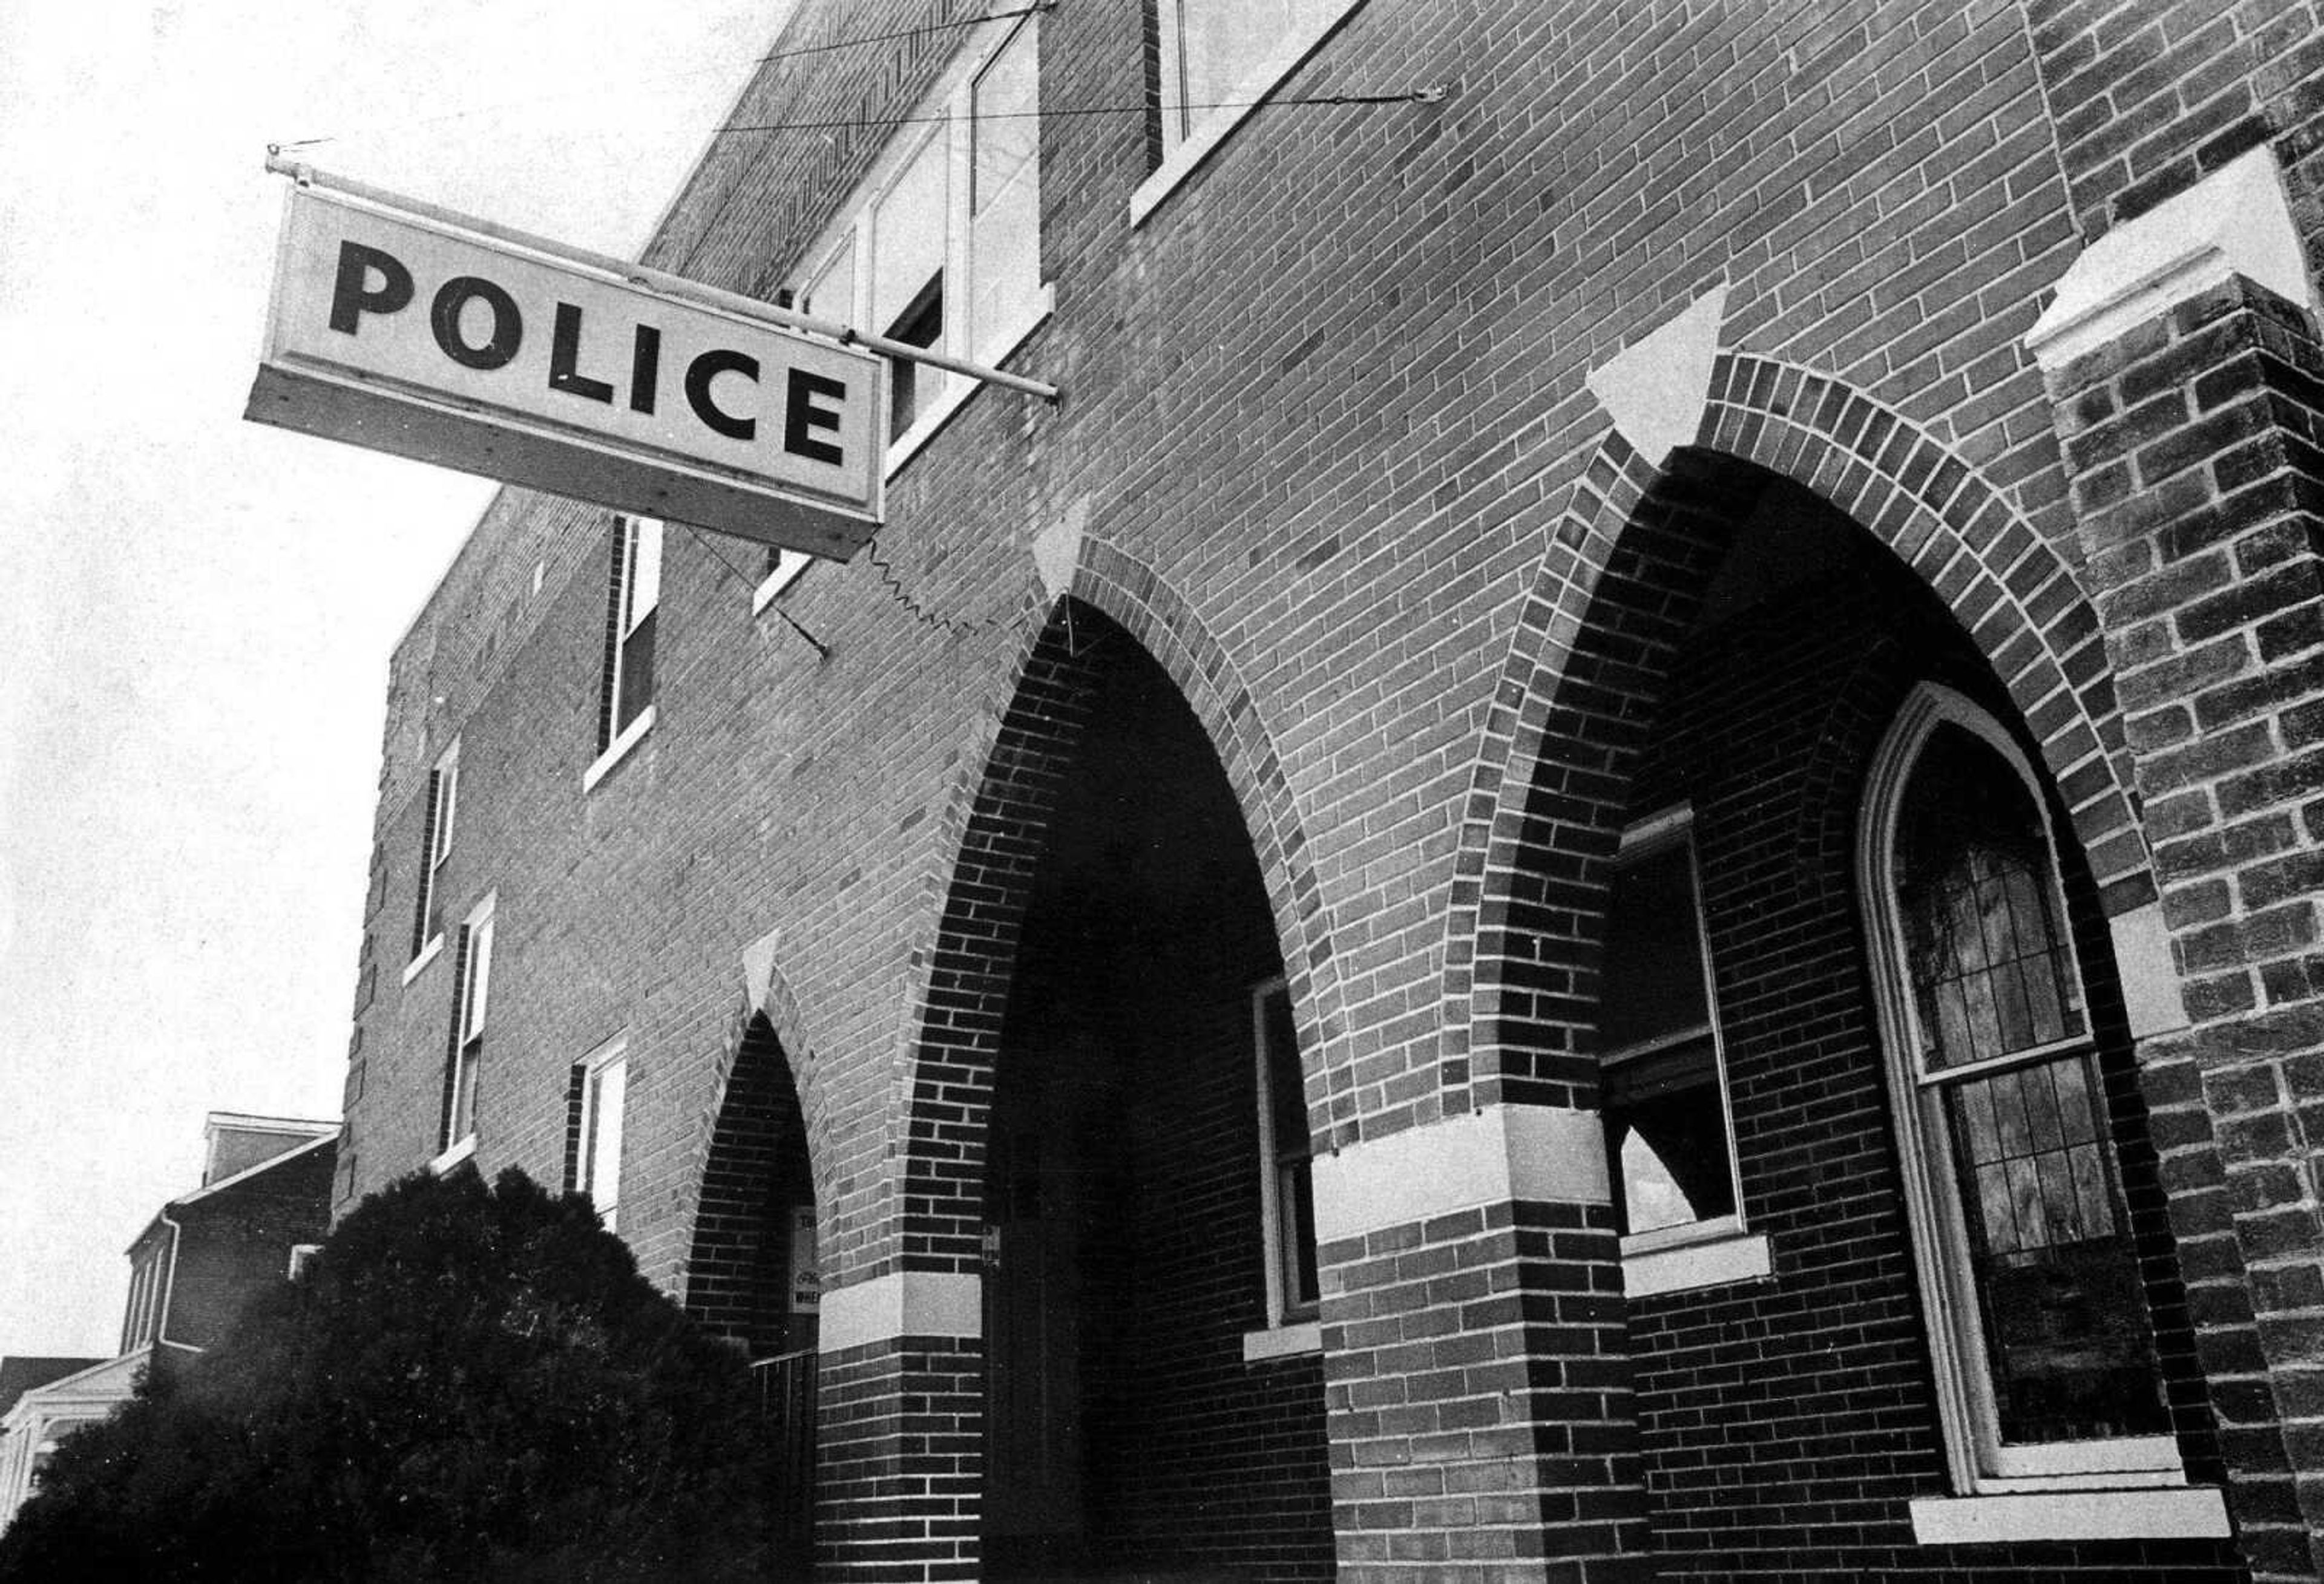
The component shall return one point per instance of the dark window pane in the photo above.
(1667, 1139)
(1653, 979)
(1975, 885)
(2064, 1313)
(919, 325)
(637, 671)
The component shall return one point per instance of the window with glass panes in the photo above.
(2024, 1234)
(1662, 1094)
(1287, 1179)
(468, 1027)
(628, 684)
(605, 1084)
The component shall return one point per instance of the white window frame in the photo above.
(435, 846)
(785, 571)
(638, 543)
(1291, 1327)
(1183, 154)
(592, 1069)
(950, 104)
(1977, 1461)
(471, 1012)
(1719, 1249)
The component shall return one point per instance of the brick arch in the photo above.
(735, 1279)
(994, 830)
(1579, 680)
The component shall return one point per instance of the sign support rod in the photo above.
(645, 275)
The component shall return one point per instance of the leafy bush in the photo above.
(467, 1382)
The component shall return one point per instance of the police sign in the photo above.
(409, 331)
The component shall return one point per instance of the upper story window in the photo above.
(435, 846)
(1217, 59)
(2045, 1352)
(941, 246)
(1669, 1136)
(469, 1007)
(604, 1084)
(625, 699)
(1286, 1170)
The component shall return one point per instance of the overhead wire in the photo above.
(1427, 96)
(772, 55)
(821, 649)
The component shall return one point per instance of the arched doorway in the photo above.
(1153, 1407)
(1688, 897)
(752, 1273)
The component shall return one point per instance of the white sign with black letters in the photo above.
(406, 332)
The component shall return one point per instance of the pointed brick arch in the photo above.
(992, 830)
(1578, 680)
(734, 1281)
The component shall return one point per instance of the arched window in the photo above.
(2044, 1353)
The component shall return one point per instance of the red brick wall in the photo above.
(1327, 436)
(1787, 1423)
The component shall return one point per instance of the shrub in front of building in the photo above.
(469, 1381)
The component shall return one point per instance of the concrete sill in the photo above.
(1739, 1257)
(1283, 1341)
(632, 735)
(2196, 1514)
(427, 953)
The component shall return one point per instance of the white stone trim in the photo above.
(2195, 1514)
(2149, 979)
(1655, 389)
(1714, 1262)
(2235, 221)
(632, 735)
(1491, 1157)
(759, 968)
(903, 1303)
(1283, 1341)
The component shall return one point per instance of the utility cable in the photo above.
(919, 612)
(1427, 96)
(820, 648)
(772, 55)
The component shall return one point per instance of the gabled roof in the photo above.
(23, 1372)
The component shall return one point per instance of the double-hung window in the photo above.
(2046, 1367)
(435, 846)
(1287, 1179)
(469, 1005)
(625, 701)
(941, 246)
(603, 1083)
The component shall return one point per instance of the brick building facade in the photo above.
(1601, 865)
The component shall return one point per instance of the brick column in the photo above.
(2192, 438)
(900, 1417)
(1478, 1384)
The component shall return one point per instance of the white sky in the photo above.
(197, 615)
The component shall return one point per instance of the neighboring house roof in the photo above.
(319, 1141)
(23, 1372)
(98, 1387)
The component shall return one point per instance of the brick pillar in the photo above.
(2192, 441)
(1478, 1385)
(899, 1430)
